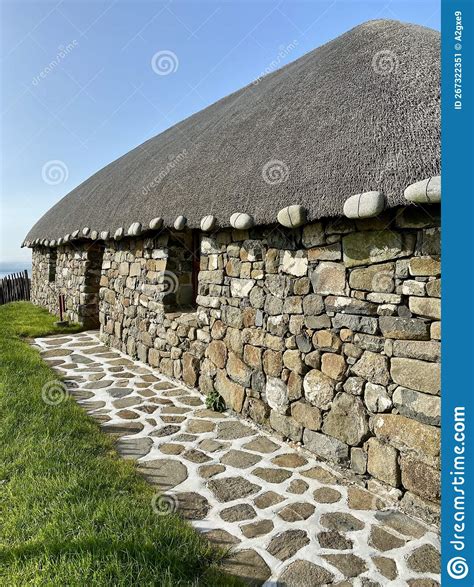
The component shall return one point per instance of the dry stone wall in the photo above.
(71, 270)
(328, 334)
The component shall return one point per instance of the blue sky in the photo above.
(83, 83)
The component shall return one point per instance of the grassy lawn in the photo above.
(71, 511)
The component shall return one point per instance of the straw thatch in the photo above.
(359, 113)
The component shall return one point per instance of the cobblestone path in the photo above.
(288, 517)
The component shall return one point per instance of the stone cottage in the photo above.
(281, 248)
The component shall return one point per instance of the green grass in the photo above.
(71, 511)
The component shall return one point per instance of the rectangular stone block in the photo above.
(420, 406)
(424, 350)
(420, 478)
(382, 462)
(428, 307)
(350, 306)
(378, 278)
(415, 374)
(404, 328)
(424, 266)
(364, 248)
(407, 434)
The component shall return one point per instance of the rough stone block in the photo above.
(378, 278)
(329, 278)
(238, 371)
(428, 307)
(424, 266)
(372, 367)
(365, 248)
(306, 415)
(382, 462)
(420, 478)
(190, 369)
(276, 395)
(294, 263)
(415, 374)
(404, 328)
(325, 446)
(318, 389)
(333, 365)
(420, 406)
(358, 460)
(424, 350)
(347, 420)
(313, 235)
(376, 398)
(408, 434)
(350, 306)
(286, 426)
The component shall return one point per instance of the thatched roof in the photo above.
(359, 113)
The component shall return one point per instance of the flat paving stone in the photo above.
(171, 448)
(192, 505)
(56, 353)
(249, 566)
(291, 460)
(126, 402)
(383, 540)
(287, 544)
(119, 392)
(350, 565)
(198, 426)
(123, 427)
(334, 540)
(255, 529)
(98, 384)
(386, 567)
(289, 518)
(231, 488)
(196, 456)
(221, 538)
(134, 448)
(298, 486)
(237, 513)
(166, 431)
(230, 430)
(208, 471)
(295, 512)
(272, 475)
(342, 521)
(240, 459)
(326, 495)
(302, 573)
(268, 499)
(425, 559)
(261, 444)
(165, 473)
